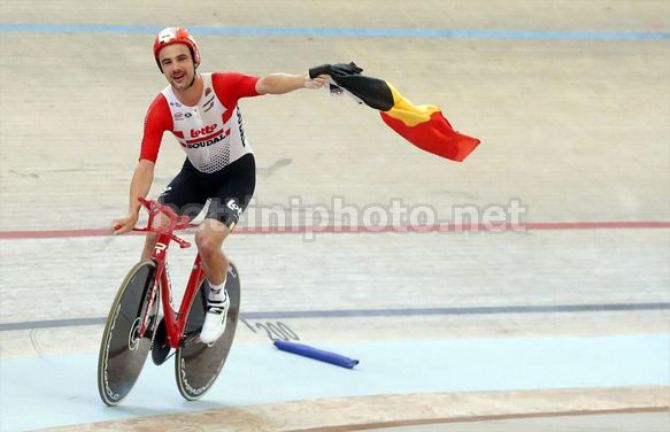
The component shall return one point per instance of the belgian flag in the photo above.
(423, 125)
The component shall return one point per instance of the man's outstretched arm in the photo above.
(280, 83)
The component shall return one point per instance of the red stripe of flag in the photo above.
(435, 136)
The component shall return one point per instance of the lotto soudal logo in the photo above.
(195, 133)
(206, 143)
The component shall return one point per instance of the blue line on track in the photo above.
(365, 313)
(500, 34)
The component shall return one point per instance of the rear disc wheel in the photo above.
(197, 365)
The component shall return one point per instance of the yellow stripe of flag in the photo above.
(407, 112)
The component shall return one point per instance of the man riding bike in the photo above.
(200, 109)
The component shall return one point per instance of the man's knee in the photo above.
(149, 245)
(151, 239)
(208, 244)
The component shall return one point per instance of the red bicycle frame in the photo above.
(175, 322)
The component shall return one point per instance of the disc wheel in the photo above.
(160, 348)
(122, 352)
(197, 365)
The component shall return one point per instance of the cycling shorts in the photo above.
(228, 190)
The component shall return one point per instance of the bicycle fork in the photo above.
(144, 326)
(159, 277)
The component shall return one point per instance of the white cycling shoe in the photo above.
(215, 320)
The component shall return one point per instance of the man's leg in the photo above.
(183, 194)
(209, 240)
(231, 198)
(152, 238)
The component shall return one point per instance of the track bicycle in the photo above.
(135, 326)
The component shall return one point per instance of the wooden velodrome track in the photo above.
(538, 329)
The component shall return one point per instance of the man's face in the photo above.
(177, 65)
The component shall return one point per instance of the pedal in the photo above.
(190, 339)
(159, 348)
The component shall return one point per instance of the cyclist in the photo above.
(200, 109)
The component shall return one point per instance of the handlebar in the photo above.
(175, 221)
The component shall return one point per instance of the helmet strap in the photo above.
(195, 74)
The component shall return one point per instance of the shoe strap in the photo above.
(216, 310)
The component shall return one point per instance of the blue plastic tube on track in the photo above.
(317, 354)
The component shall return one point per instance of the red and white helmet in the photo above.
(176, 35)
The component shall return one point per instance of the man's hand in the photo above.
(125, 224)
(315, 83)
(139, 187)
